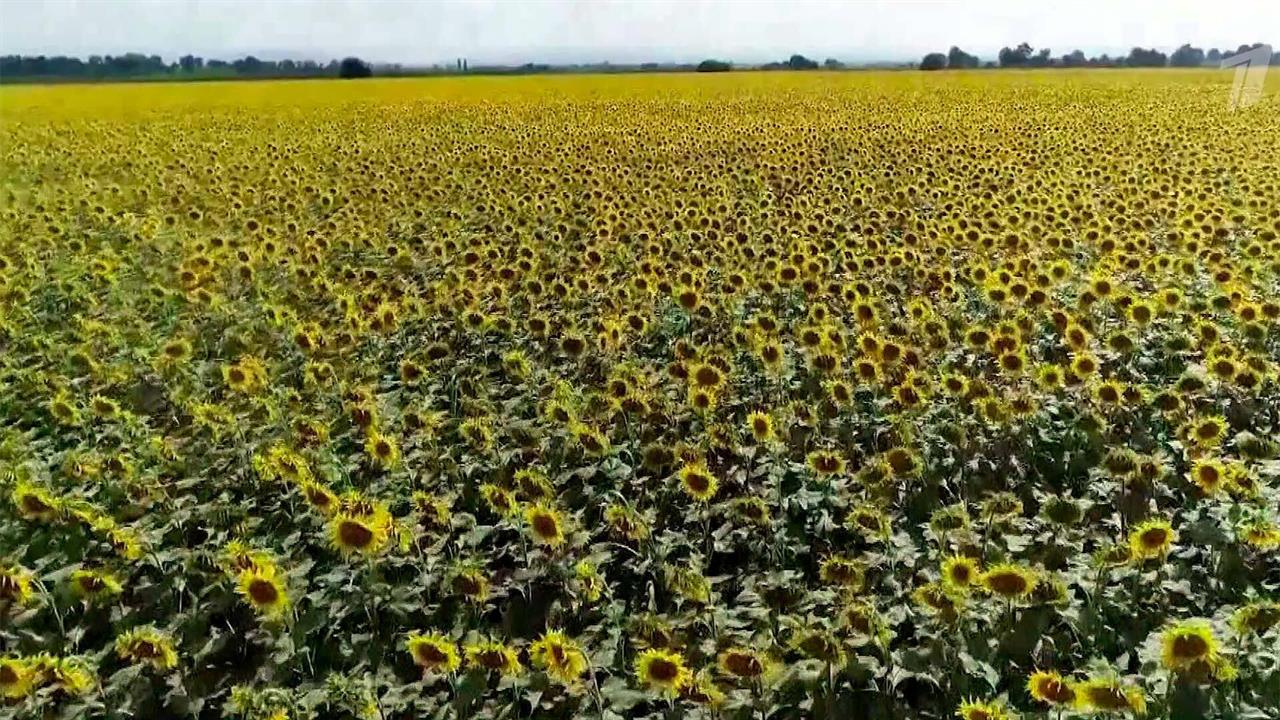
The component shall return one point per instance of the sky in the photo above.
(424, 32)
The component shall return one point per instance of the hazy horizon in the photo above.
(620, 31)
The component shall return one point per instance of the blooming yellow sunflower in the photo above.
(698, 482)
(1108, 694)
(433, 652)
(546, 525)
(1011, 582)
(1152, 538)
(1051, 688)
(264, 589)
(559, 656)
(662, 671)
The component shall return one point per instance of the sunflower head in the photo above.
(975, 710)
(744, 663)
(559, 656)
(546, 525)
(493, 656)
(1108, 694)
(147, 645)
(1011, 582)
(961, 573)
(433, 652)
(1051, 688)
(1152, 538)
(698, 482)
(662, 671)
(264, 589)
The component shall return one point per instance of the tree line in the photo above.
(1025, 56)
(140, 66)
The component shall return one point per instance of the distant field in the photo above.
(750, 395)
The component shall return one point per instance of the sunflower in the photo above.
(1152, 539)
(1108, 694)
(707, 376)
(433, 652)
(626, 522)
(490, 655)
(17, 678)
(1190, 648)
(382, 450)
(761, 426)
(662, 671)
(1051, 688)
(1010, 582)
(702, 690)
(1206, 432)
(358, 534)
(975, 710)
(869, 521)
(147, 645)
(264, 589)
(843, 571)
(89, 584)
(545, 524)
(744, 663)
(501, 501)
(318, 496)
(825, 463)
(961, 573)
(698, 482)
(1256, 617)
(1259, 533)
(35, 503)
(470, 582)
(820, 644)
(559, 656)
(15, 584)
(1210, 475)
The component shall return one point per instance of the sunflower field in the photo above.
(824, 395)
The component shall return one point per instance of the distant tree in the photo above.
(1139, 57)
(958, 59)
(1187, 56)
(1040, 59)
(933, 61)
(714, 66)
(832, 64)
(1074, 59)
(353, 67)
(1015, 57)
(190, 63)
(800, 62)
(1214, 56)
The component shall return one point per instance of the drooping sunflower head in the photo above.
(93, 584)
(493, 656)
(1108, 694)
(843, 571)
(147, 645)
(34, 502)
(744, 663)
(975, 710)
(662, 671)
(17, 678)
(15, 584)
(1011, 582)
(1256, 617)
(559, 656)
(433, 652)
(825, 463)
(1051, 688)
(1188, 644)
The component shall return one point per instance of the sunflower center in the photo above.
(1154, 537)
(429, 654)
(743, 665)
(8, 676)
(663, 670)
(1189, 646)
(545, 526)
(1008, 584)
(263, 592)
(354, 534)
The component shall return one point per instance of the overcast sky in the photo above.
(509, 31)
